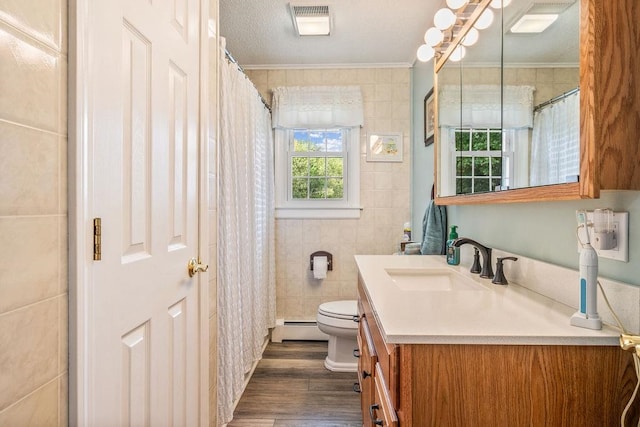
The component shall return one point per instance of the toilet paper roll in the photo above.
(320, 267)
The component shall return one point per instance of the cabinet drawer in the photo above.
(382, 412)
(387, 354)
(366, 365)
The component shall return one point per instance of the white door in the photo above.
(143, 313)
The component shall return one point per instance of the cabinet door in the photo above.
(381, 412)
(366, 364)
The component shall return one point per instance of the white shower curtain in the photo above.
(555, 146)
(246, 233)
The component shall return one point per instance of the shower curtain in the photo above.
(246, 233)
(555, 146)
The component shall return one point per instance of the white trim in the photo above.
(203, 214)
(305, 330)
(324, 66)
(79, 151)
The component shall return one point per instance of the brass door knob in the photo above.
(194, 266)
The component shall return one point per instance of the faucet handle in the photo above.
(499, 278)
(475, 268)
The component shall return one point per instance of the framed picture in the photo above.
(429, 118)
(384, 147)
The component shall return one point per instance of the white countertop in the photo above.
(500, 314)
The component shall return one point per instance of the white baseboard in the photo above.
(292, 330)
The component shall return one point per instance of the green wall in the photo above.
(543, 231)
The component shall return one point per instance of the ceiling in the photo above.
(260, 34)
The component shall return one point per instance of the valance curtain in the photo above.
(318, 107)
(484, 106)
(555, 147)
(246, 233)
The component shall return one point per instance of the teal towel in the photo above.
(434, 230)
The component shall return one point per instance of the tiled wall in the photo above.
(33, 213)
(549, 82)
(384, 193)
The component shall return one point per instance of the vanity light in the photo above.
(533, 23)
(471, 37)
(433, 36)
(458, 53)
(484, 20)
(444, 19)
(457, 4)
(425, 53)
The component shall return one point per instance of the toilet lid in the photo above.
(343, 309)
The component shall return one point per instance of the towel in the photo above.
(434, 230)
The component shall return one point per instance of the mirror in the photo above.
(508, 112)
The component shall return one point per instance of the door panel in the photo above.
(143, 320)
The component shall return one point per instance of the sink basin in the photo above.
(431, 280)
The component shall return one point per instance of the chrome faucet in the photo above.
(487, 269)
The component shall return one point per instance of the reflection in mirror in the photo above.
(512, 120)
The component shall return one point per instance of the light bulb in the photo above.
(457, 4)
(471, 37)
(484, 20)
(425, 53)
(444, 19)
(458, 53)
(433, 36)
(497, 4)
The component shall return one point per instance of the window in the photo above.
(317, 173)
(479, 158)
(317, 164)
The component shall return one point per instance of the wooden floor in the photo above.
(291, 388)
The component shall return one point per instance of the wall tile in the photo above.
(385, 185)
(33, 337)
(44, 21)
(39, 408)
(24, 239)
(30, 81)
(29, 171)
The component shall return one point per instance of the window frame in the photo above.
(347, 207)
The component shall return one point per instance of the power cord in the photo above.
(627, 341)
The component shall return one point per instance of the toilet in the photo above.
(336, 319)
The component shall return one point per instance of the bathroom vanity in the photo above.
(439, 346)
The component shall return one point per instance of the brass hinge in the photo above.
(97, 239)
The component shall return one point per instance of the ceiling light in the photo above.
(311, 20)
(471, 37)
(425, 53)
(533, 23)
(433, 36)
(457, 4)
(444, 19)
(484, 20)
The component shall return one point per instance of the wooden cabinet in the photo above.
(497, 385)
(609, 110)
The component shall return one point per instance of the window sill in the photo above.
(318, 213)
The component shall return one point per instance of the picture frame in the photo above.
(384, 147)
(429, 118)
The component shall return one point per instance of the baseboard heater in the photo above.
(297, 330)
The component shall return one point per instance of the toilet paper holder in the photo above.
(322, 253)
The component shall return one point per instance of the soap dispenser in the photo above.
(453, 252)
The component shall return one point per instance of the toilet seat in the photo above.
(345, 310)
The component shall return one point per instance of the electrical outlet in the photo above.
(620, 227)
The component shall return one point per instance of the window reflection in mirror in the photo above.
(504, 121)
